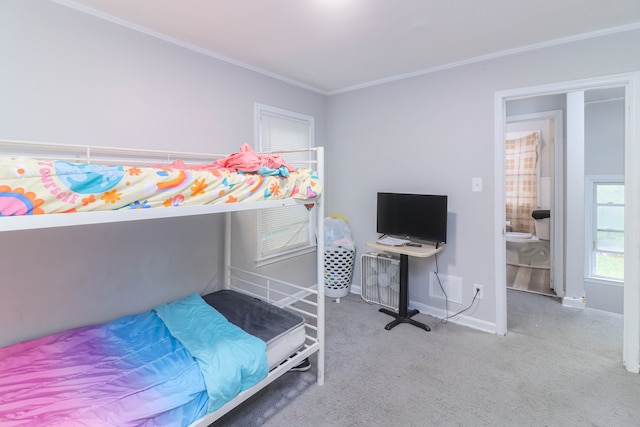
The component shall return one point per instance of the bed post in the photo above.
(320, 263)
(227, 250)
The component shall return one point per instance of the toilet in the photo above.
(531, 250)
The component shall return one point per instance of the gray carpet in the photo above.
(556, 367)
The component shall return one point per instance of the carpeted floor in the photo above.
(557, 366)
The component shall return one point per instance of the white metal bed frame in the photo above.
(307, 301)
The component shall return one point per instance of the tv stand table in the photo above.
(404, 315)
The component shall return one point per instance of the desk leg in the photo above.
(404, 315)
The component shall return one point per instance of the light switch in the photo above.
(476, 184)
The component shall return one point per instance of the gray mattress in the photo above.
(283, 331)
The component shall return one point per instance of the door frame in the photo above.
(557, 199)
(630, 81)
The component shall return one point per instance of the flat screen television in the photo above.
(417, 216)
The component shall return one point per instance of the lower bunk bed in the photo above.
(183, 363)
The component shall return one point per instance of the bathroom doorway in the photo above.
(573, 202)
(530, 201)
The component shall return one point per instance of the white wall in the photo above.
(70, 77)
(604, 137)
(434, 133)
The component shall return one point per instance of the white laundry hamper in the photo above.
(338, 270)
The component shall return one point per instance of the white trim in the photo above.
(462, 319)
(574, 196)
(500, 217)
(128, 24)
(580, 303)
(600, 101)
(292, 116)
(631, 334)
(149, 32)
(520, 134)
(286, 114)
(261, 262)
(604, 282)
(500, 54)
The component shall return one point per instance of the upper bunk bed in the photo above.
(92, 185)
(44, 185)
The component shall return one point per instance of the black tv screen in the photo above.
(418, 216)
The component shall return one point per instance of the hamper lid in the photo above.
(541, 214)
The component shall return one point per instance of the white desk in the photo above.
(404, 315)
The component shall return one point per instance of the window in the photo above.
(606, 255)
(284, 232)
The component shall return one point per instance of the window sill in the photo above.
(604, 281)
(282, 257)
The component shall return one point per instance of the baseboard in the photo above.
(468, 321)
(439, 314)
(574, 302)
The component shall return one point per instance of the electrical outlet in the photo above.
(478, 288)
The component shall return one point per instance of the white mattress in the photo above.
(283, 331)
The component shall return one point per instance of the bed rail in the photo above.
(100, 155)
(307, 301)
(93, 154)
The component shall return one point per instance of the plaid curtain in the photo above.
(521, 184)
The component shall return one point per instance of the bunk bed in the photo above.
(174, 368)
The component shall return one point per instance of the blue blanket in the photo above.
(230, 359)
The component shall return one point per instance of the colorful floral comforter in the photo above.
(30, 187)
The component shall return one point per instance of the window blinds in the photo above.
(284, 230)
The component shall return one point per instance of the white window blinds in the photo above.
(284, 231)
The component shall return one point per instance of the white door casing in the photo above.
(630, 81)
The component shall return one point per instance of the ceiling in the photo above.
(332, 46)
